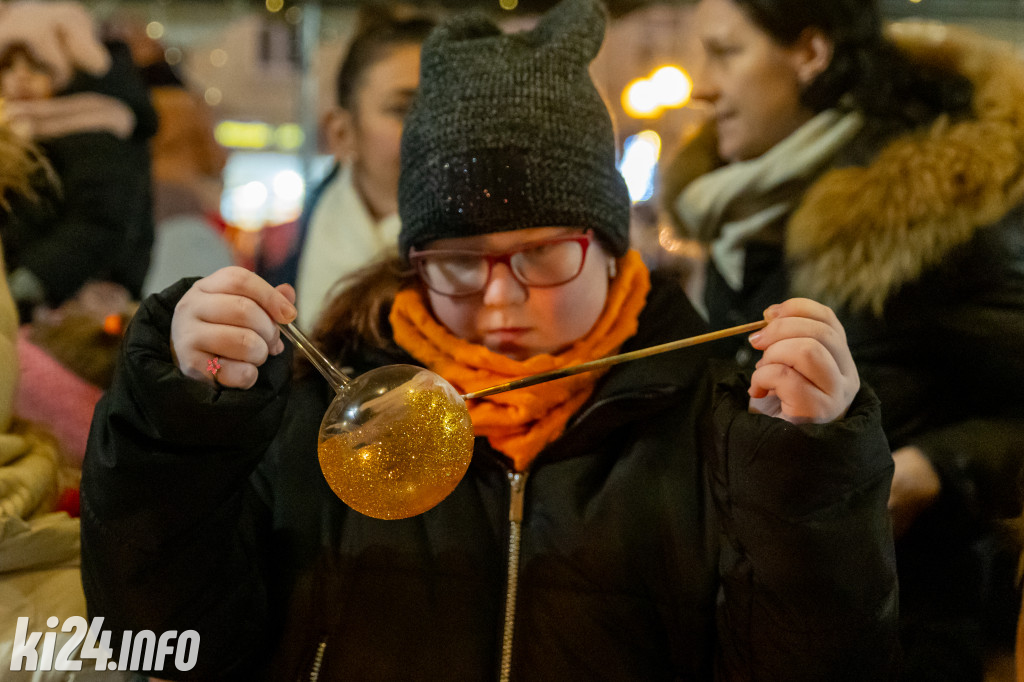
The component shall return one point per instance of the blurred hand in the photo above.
(806, 373)
(232, 314)
(915, 487)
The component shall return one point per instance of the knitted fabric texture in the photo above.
(522, 422)
(508, 132)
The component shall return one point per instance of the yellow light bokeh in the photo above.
(673, 86)
(155, 30)
(218, 57)
(289, 137)
(638, 99)
(275, 5)
(243, 135)
(667, 87)
(508, 4)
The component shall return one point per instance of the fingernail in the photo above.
(288, 312)
(771, 312)
(754, 338)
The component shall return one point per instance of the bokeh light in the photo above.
(639, 164)
(667, 87)
(155, 30)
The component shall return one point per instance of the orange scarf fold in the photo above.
(521, 423)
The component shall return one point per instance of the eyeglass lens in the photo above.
(545, 265)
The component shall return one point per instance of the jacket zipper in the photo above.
(517, 483)
(318, 659)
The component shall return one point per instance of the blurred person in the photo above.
(882, 176)
(188, 165)
(91, 218)
(39, 541)
(350, 219)
(659, 521)
(67, 357)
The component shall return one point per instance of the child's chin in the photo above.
(511, 350)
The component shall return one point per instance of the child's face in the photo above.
(24, 80)
(520, 321)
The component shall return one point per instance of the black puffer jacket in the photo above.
(667, 535)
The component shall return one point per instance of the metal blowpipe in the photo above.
(616, 359)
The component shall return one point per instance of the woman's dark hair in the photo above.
(878, 79)
(378, 31)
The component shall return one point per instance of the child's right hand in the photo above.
(229, 318)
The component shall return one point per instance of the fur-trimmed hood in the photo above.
(863, 232)
(860, 233)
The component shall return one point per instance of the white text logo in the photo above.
(142, 651)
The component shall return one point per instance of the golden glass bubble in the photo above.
(399, 445)
(395, 441)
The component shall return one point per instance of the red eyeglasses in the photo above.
(546, 263)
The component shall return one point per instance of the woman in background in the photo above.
(884, 177)
(351, 218)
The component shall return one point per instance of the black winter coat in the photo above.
(668, 534)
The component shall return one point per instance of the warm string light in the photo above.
(668, 87)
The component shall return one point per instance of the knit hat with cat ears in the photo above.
(508, 131)
(60, 35)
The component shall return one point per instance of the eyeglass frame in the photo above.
(417, 258)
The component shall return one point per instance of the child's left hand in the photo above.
(806, 373)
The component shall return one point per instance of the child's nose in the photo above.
(503, 288)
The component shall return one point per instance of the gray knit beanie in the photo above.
(508, 132)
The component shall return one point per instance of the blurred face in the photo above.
(521, 321)
(371, 133)
(24, 80)
(752, 82)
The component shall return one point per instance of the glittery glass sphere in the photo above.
(395, 442)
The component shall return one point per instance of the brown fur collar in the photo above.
(862, 233)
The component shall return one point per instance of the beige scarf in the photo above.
(752, 200)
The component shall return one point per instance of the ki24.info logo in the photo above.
(142, 651)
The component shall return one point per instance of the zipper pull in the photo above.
(517, 483)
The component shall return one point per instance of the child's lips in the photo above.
(506, 333)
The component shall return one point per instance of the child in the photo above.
(649, 523)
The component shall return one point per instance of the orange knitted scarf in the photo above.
(520, 423)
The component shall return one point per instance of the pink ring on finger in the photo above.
(213, 366)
